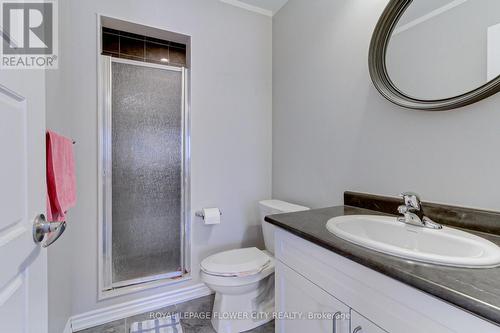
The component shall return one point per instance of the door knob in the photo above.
(42, 227)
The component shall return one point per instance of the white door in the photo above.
(23, 272)
(360, 324)
(304, 307)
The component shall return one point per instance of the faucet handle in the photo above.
(403, 209)
(411, 200)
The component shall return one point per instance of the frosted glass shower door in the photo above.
(146, 170)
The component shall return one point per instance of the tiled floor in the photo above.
(200, 305)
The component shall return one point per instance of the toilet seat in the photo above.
(236, 263)
(228, 282)
(243, 293)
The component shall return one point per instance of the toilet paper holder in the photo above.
(200, 213)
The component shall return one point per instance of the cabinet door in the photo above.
(360, 324)
(304, 307)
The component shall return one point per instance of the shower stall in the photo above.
(144, 150)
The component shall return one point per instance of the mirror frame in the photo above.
(380, 77)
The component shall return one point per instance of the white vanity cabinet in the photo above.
(360, 324)
(305, 307)
(311, 279)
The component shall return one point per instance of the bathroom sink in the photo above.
(446, 246)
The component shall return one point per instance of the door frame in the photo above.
(107, 289)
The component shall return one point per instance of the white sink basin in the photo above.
(447, 246)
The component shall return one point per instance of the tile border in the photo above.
(141, 44)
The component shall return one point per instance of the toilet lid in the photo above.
(240, 262)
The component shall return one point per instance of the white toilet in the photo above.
(243, 279)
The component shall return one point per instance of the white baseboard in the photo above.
(135, 307)
(67, 328)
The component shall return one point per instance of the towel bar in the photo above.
(41, 227)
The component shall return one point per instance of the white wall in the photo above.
(231, 124)
(333, 132)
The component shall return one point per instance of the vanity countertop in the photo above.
(474, 290)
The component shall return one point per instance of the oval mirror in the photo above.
(437, 54)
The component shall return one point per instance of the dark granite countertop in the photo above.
(474, 290)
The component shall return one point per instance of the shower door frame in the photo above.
(106, 286)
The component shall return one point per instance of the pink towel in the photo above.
(61, 180)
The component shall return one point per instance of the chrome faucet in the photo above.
(412, 212)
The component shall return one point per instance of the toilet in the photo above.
(243, 279)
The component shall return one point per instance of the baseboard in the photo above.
(67, 328)
(135, 307)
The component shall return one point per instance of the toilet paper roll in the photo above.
(211, 215)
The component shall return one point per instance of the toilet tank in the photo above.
(269, 207)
